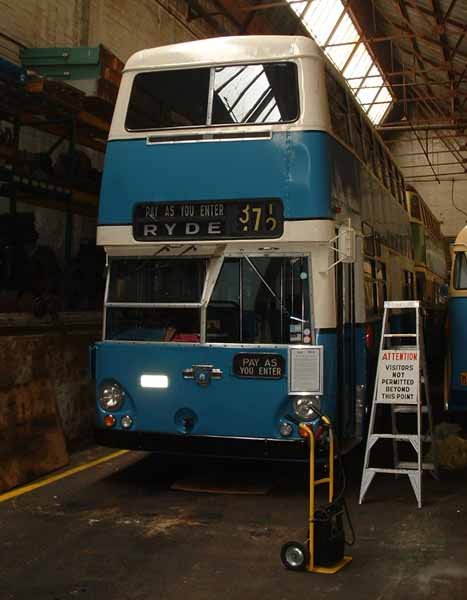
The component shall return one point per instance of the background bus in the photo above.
(456, 367)
(234, 168)
(431, 252)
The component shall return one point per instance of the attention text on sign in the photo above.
(398, 377)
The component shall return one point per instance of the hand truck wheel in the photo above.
(294, 556)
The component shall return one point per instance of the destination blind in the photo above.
(231, 219)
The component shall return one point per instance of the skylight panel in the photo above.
(378, 109)
(334, 30)
(299, 7)
(321, 18)
(340, 46)
(359, 63)
(366, 95)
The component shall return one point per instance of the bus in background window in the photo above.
(456, 360)
(430, 251)
(235, 169)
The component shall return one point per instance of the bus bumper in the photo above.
(208, 446)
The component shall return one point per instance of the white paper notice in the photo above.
(306, 369)
(398, 377)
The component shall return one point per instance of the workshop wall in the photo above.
(124, 26)
(448, 198)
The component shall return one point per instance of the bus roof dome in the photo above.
(222, 50)
(461, 238)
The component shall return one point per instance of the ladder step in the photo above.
(400, 335)
(395, 471)
(409, 409)
(403, 437)
(401, 304)
(410, 464)
(396, 402)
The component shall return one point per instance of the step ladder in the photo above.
(402, 383)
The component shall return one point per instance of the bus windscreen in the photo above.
(223, 95)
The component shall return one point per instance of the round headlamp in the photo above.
(304, 408)
(111, 396)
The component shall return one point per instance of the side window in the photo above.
(377, 167)
(421, 286)
(383, 166)
(415, 211)
(392, 176)
(400, 189)
(338, 108)
(408, 286)
(368, 239)
(375, 283)
(368, 146)
(356, 130)
(371, 300)
(381, 284)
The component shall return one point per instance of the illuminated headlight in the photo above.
(112, 396)
(286, 429)
(303, 407)
(154, 381)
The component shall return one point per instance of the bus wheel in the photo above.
(294, 556)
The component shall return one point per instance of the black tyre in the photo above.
(294, 556)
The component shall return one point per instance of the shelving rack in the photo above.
(55, 107)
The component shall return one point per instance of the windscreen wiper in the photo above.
(271, 291)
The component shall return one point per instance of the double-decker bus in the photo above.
(254, 224)
(430, 252)
(456, 360)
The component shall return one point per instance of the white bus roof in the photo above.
(224, 50)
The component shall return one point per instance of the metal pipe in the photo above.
(421, 127)
(445, 164)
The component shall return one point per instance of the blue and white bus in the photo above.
(254, 224)
(456, 361)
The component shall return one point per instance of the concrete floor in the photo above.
(117, 531)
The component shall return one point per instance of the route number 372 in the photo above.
(258, 218)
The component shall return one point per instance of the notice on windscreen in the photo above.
(398, 377)
(306, 369)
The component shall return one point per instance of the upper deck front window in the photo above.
(223, 95)
(460, 271)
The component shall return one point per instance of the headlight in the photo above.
(286, 429)
(303, 407)
(111, 396)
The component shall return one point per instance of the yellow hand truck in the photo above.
(323, 551)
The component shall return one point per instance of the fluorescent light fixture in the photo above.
(154, 381)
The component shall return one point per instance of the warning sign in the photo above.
(398, 377)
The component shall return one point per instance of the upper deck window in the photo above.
(415, 211)
(230, 95)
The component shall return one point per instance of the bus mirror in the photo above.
(346, 244)
(443, 291)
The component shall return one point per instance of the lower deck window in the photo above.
(153, 324)
(375, 282)
(261, 300)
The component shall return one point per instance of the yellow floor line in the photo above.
(43, 482)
